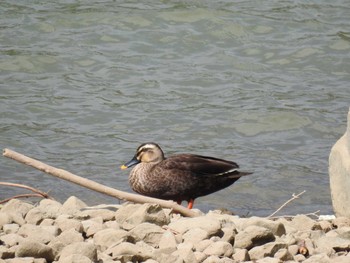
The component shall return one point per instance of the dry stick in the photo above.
(65, 175)
(38, 192)
(294, 196)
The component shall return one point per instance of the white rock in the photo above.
(339, 174)
(72, 206)
(149, 233)
(81, 248)
(109, 236)
(211, 225)
(220, 248)
(195, 235)
(253, 236)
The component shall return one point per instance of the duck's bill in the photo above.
(132, 162)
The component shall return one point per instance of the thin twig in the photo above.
(294, 196)
(65, 175)
(38, 192)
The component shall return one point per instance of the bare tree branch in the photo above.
(65, 175)
(294, 196)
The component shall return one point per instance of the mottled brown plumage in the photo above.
(179, 177)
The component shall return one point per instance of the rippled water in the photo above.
(266, 85)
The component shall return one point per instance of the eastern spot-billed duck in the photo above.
(179, 177)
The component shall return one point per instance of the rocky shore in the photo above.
(72, 232)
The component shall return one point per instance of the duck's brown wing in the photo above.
(190, 176)
(199, 165)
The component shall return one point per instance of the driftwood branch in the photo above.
(294, 196)
(65, 175)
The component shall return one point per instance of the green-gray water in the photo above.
(262, 83)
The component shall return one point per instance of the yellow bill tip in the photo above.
(123, 167)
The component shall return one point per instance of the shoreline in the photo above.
(69, 232)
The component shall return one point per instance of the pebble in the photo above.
(72, 232)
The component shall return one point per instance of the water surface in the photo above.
(266, 85)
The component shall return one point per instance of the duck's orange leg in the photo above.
(190, 203)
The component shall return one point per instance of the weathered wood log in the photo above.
(65, 175)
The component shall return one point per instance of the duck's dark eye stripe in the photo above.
(143, 149)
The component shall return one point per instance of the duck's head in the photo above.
(146, 153)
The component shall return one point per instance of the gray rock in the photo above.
(149, 233)
(75, 258)
(5, 219)
(68, 237)
(344, 232)
(92, 226)
(335, 243)
(151, 261)
(111, 224)
(266, 250)
(277, 228)
(220, 248)
(229, 234)
(202, 245)
(253, 236)
(325, 226)
(216, 259)
(105, 238)
(16, 210)
(299, 258)
(151, 213)
(11, 240)
(6, 253)
(34, 249)
(47, 222)
(303, 223)
(57, 246)
(293, 249)
(41, 234)
(200, 256)
(195, 235)
(125, 211)
(72, 206)
(35, 216)
(211, 225)
(25, 260)
(81, 248)
(339, 174)
(87, 213)
(167, 242)
(283, 254)
(340, 222)
(319, 258)
(241, 254)
(130, 252)
(309, 245)
(64, 222)
(47, 209)
(341, 259)
(50, 208)
(185, 252)
(10, 228)
(268, 260)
